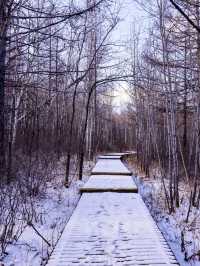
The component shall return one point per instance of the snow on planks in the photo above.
(110, 167)
(108, 157)
(115, 155)
(110, 183)
(111, 229)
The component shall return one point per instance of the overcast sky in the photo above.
(131, 13)
(132, 16)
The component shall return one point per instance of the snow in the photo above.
(115, 154)
(53, 210)
(110, 157)
(105, 228)
(110, 167)
(171, 225)
(110, 183)
(121, 153)
(111, 229)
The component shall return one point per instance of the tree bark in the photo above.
(3, 32)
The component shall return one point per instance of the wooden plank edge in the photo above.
(109, 158)
(116, 190)
(112, 173)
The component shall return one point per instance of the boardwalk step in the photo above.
(110, 183)
(110, 167)
(109, 228)
(109, 157)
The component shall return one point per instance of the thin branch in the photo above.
(185, 15)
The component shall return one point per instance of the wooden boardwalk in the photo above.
(111, 226)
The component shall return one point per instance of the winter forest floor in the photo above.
(183, 237)
(53, 209)
(55, 205)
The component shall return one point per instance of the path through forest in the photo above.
(111, 224)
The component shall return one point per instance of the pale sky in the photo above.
(131, 13)
(132, 16)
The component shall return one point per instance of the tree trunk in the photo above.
(2, 91)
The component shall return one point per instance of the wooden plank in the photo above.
(117, 190)
(108, 157)
(109, 183)
(112, 173)
(110, 167)
(111, 229)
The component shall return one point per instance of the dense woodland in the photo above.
(57, 71)
(166, 96)
(59, 68)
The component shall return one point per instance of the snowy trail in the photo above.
(110, 166)
(110, 228)
(110, 183)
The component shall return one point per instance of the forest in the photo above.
(60, 67)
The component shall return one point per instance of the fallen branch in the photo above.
(38, 233)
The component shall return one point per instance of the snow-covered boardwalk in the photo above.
(109, 228)
(110, 166)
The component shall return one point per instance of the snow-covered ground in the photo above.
(174, 227)
(53, 209)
